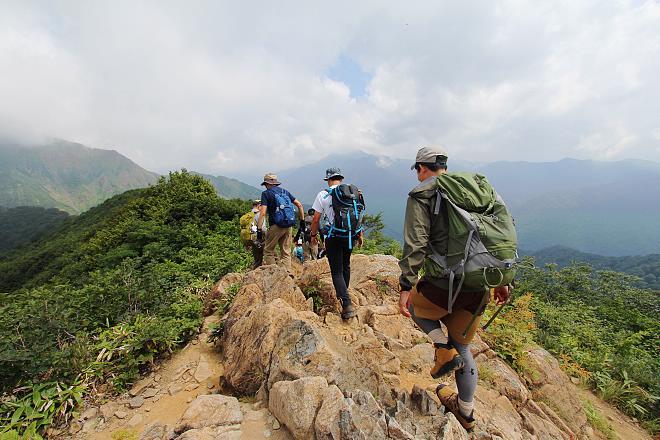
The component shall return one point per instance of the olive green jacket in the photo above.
(422, 231)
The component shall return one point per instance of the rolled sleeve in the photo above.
(416, 232)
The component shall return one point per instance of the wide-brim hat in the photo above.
(431, 155)
(271, 179)
(333, 173)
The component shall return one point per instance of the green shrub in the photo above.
(29, 409)
(116, 287)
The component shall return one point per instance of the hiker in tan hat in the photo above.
(280, 205)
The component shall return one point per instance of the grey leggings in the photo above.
(466, 377)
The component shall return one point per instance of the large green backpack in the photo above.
(481, 245)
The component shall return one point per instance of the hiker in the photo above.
(341, 206)
(279, 204)
(311, 251)
(443, 295)
(304, 237)
(298, 251)
(249, 234)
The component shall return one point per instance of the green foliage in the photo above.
(29, 409)
(646, 267)
(512, 332)
(124, 434)
(23, 224)
(602, 327)
(598, 422)
(375, 242)
(312, 290)
(117, 286)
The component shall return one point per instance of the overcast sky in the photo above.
(221, 86)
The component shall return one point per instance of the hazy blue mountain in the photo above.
(65, 175)
(647, 267)
(607, 208)
(230, 188)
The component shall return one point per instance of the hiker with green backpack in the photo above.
(459, 233)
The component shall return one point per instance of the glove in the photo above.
(260, 235)
(303, 226)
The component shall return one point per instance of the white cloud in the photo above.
(228, 87)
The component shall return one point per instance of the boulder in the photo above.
(326, 425)
(249, 344)
(210, 410)
(295, 404)
(504, 379)
(154, 431)
(219, 290)
(232, 432)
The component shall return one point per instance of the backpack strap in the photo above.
(451, 299)
(438, 202)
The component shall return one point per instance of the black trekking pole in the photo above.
(497, 312)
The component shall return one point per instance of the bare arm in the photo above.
(301, 210)
(315, 227)
(262, 217)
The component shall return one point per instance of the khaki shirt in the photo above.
(423, 230)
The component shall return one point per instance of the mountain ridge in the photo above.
(595, 206)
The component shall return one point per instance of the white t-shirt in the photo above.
(323, 205)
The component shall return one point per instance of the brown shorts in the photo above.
(430, 302)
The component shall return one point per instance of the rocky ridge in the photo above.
(311, 375)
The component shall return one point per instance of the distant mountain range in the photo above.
(230, 188)
(73, 178)
(65, 175)
(606, 208)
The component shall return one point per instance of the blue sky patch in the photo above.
(350, 73)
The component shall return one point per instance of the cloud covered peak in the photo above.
(221, 86)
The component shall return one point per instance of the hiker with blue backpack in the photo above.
(459, 232)
(338, 213)
(281, 207)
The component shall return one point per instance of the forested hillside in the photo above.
(65, 175)
(23, 224)
(602, 328)
(115, 287)
(646, 267)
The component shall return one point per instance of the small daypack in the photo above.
(285, 212)
(482, 242)
(246, 222)
(348, 206)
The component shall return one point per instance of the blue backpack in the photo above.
(285, 212)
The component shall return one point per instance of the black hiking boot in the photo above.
(348, 311)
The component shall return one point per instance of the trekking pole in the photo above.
(497, 312)
(492, 318)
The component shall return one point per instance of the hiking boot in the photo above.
(447, 360)
(449, 400)
(348, 311)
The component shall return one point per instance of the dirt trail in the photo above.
(622, 425)
(193, 371)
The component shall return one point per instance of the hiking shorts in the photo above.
(430, 302)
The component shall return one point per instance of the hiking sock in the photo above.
(438, 336)
(465, 408)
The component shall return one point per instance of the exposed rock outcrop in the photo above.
(330, 379)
